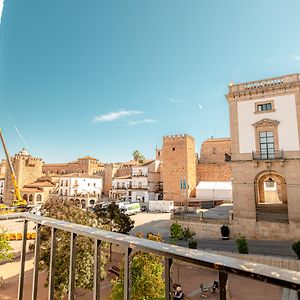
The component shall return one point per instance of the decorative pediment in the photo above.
(266, 123)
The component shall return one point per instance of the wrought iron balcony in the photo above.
(267, 155)
(139, 187)
(223, 264)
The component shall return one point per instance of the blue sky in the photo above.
(104, 78)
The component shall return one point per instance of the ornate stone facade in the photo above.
(265, 145)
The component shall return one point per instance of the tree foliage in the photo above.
(147, 276)
(5, 248)
(137, 156)
(63, 210)
(114, 218)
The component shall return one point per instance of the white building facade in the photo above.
(84, 190)
(141, 186)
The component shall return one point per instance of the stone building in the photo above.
(27, 168)
(212, 164)
(87, 165)
(265, 157)
(178, 167)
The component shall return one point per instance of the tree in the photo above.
(5, 248)
(112, 217)
(138, 157)
(147, 276)
(64, 210)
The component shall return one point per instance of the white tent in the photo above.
(211, 190)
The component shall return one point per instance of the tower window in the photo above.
(173, 149)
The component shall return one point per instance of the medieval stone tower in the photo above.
(27, 168)
(179, 167)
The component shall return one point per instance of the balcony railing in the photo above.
(265, 83)
(140, 175)
(223, 264)
(267, 156)
(139, 187)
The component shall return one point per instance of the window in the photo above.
(266, 145)
(173, 149)
(264, 106)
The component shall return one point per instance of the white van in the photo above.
(130, 208)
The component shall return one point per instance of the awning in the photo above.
(214, 190)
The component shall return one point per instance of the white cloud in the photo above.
(141, 121)
(1, 8)
(174, 100)
(200, 106)
(116, 115)
(296, 57)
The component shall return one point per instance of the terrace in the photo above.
(222, 264)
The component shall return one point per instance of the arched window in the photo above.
(39, 198)
(25, 197)
(92, 202)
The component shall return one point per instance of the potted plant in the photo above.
(296, 248)
(242, 244)
(225, 232)
(193, 243)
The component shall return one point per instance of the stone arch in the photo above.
(25, 197)
(92, 202)
(77, 202)
(83, 203)
(270, 188)
(30, 198)
(39, 198)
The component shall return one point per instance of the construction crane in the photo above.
(19, 202)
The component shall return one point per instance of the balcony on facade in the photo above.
(170, 253)
(139, 187)
(267, 155)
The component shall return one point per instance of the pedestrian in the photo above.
(178, 293)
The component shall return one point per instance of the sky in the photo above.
(104, 78)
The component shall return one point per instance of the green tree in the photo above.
(64, 210)
(138, 157)
(5, 248)
(147, 277)
(112, 217)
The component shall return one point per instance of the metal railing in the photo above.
(223, 264)
(267, 156)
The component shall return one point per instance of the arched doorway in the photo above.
(30, 198)
(271, 197)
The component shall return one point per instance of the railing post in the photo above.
(23, 256)
(127, 274)
(36, 261)
(72, 266)
(168, 265)
(97, 266)
(52, 264)
(223, 277)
